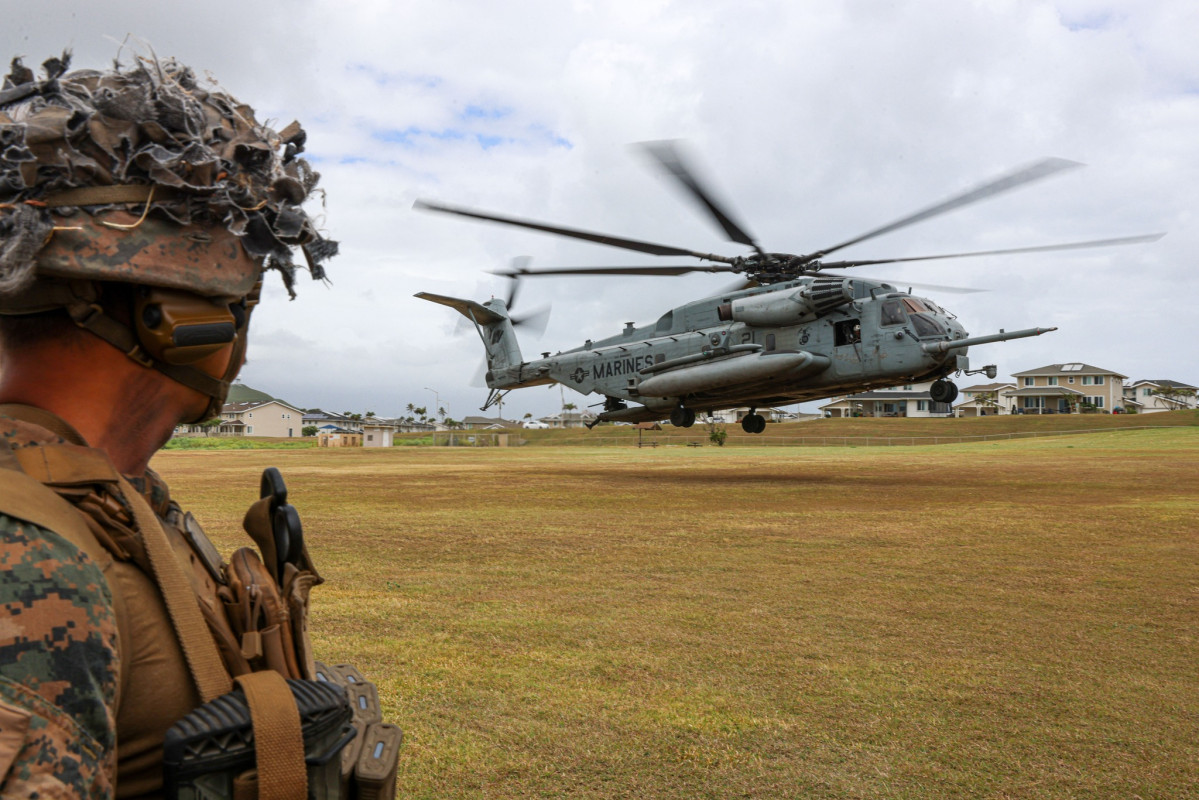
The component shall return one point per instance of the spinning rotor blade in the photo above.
(653, 270)
(666, 153)
(1041, 169)
(1151, 237)
(599, 238)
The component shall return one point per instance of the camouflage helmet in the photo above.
(104, 173)
(140, 175)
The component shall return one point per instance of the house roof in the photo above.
(1165, 383)
(239, 408)
(1070, 368)
(1042, 391)
(487, 421)
(988, 387)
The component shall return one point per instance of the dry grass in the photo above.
(1008, 619)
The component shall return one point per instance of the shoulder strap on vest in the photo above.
(75, 464)
(26, 499)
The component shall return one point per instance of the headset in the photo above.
(177, 327)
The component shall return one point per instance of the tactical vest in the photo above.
(189, 624)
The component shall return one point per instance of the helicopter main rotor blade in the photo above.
(652, 270)
(1151, 237)
(667, 154)
(599, 238)
(1041, 169)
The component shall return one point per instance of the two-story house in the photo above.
(1149, 396)
(262, 418)
(1067, 388)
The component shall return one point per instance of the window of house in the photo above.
(1053, 381)
(907, 387)
(249, 429)
(1146, 392)
(1092, 380)
(922, 405)
(1030, 381)
(1070, 379)
(1096, 401)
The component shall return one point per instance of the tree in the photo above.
(569, 406)
(441, 412)
(308, 430)
(209, 425)
(716, 432)
(528, 415)
(1178, 396)
(410, 408)
(370, 414)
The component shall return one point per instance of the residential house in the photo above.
(1066, 388)
(730, 416)
(984, 400)
(487, 424)
(570, 419)
(329, 422)
(261, 418)
(1150, 396)
(909, 400)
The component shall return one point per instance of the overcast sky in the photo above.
(815, 121)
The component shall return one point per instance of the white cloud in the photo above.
(816, 121)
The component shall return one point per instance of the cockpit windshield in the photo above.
(926, 326)
(914, 304)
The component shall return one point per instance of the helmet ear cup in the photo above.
(178, 327)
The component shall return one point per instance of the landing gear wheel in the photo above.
(682, 417)
(753, 423)
(943, 391)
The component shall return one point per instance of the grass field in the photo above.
(1001, 619)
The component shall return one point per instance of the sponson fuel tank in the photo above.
(749, 368)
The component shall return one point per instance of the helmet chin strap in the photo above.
(91, 317)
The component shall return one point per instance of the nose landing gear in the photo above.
(943, 391)
(753, 422)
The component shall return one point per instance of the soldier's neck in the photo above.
(114, 403)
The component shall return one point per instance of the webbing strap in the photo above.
(107, 195)
(278, 736)
(199, 648)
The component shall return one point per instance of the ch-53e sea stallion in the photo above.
(790, 333)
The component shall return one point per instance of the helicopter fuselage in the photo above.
(804, 339)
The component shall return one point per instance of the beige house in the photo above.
(909, 400)
(1067, 388)
(984, 400)
(1150, 396)
(261, 418)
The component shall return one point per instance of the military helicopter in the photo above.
(791, 332)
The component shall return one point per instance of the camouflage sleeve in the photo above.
(58, 668)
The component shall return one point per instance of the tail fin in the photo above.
(494, 326)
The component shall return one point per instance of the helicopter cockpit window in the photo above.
(770, 343)
(665, 323)
(893, 313)
(926, 326)
(914, 305)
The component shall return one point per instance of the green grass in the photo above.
(998, 619)
(238, 443)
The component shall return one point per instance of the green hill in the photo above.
(240, 393)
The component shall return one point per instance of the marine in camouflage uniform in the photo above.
(113, 184)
